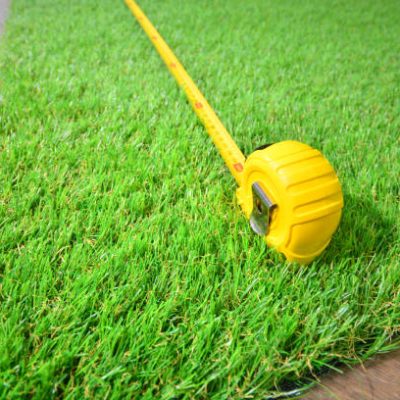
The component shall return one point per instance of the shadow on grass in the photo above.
(364, 231)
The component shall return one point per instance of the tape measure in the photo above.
(288, 190)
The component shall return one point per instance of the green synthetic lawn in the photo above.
(126, 267)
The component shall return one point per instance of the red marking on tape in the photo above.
(238, 166)
(198, 105)
(172, 65)
(154, 37)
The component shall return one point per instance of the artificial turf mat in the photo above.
(126, 267)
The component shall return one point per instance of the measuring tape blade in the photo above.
(230, 152)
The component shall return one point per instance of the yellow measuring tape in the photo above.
(288, 191)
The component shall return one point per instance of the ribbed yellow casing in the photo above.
(307, 194)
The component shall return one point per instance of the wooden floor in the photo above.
(377, 379)
(3, 13)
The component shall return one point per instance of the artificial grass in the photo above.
(126, 267)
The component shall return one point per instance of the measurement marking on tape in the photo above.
(238, 167)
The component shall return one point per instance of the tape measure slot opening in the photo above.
(260, 217)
